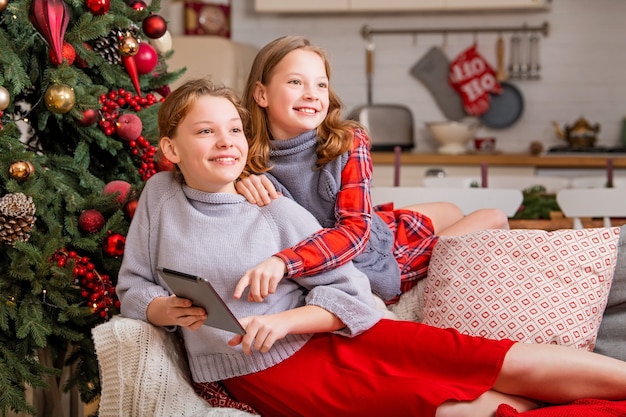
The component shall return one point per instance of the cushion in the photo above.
(612, 334)
(526, 285)
(143, 373)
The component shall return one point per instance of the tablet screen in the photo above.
(202, 294)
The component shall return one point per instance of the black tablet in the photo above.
(202, 293)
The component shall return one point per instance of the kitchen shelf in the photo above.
(506, 160)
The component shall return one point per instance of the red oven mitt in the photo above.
(473, 78)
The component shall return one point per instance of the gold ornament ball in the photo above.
(5, 98)
(3, 4)
(21, 170)
(129, 46)
(60, 98)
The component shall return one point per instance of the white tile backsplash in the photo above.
(583, 61)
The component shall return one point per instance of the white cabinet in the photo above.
(396, 5)
(363, 6)
(317, 6)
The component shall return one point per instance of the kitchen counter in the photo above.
(505, 160)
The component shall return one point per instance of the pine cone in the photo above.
(109, 46)
(17, 217)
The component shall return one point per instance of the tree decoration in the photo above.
(113, 103)
(128, 49)
(146, 58)
(67, 52)
(154, 26)
(163, 44)
(128, 127)
(17, 217)
(90, 116)
(50, 18)
(60, 98)
(129, 208)
(21, 170)
(120, 187)
(96, 288)
(98, 7)
(3, 4)
(91, 221)
(138, 5)
(5, 98)
(114, 245)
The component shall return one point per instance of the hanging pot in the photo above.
(507, 107)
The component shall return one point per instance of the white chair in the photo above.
(597, 181)
(467, 199)
(518, 182)
(592, 202)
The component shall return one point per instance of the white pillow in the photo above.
(526, 285)
(143, 373)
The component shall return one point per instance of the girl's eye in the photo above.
(207, 130)
(295, 82)
(237, 130)
(323, 85)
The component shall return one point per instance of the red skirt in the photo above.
(397, 368)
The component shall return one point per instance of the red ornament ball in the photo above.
(162, 163)
(114, 245)
(128, 126)
(91, 221)
(146, 58)
(118, 186)
(129, 208)
(90, 116)
(98, 7)
(67, 51)
(138, 5)
(154, 26)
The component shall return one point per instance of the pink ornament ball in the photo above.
(118, 186)
(146, 58)
(128, 126)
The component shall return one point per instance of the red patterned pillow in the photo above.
(526, 285)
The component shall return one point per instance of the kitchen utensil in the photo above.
(515, 58)
(533, 57)
(581, 134)
(388, 125)
(507, 107)
(453, 136)
(432, 71)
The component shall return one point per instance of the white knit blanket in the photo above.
(141, 373)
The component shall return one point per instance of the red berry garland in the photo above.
(114, 104)
(96, 288)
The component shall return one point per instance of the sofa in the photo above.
(530, 285)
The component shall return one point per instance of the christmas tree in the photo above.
(80, 86)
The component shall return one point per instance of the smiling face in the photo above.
(209, 145)
(296, 96)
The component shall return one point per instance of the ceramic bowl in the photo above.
(453, 136)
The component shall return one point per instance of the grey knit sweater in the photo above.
(220, 236)
(294, 173)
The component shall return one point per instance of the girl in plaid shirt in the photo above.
(300, 147)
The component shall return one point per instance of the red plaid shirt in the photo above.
(331, 247)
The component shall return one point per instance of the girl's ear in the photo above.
(259, 94)
(168, 148)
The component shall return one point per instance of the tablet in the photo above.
(202, 294)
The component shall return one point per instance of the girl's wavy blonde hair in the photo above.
(334, 134)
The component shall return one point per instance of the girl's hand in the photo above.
(174, 311)
(261, 332)
(257, 189)
(262, 279)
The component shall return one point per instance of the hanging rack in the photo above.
(367, 32)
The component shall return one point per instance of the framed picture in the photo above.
(207, 19)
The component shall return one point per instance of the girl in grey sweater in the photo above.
(317, 345)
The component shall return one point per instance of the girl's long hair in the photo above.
(334, 134)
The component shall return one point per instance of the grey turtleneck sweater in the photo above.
(220, 236)
(294, 173)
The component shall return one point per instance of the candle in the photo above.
(483, 175)
(609, 173)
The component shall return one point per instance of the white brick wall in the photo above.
(583, 62)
